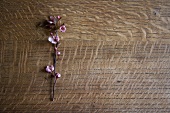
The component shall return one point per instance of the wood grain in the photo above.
(97, 77)
(123, 20)
(115, 56)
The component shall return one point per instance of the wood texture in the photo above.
(115, 56)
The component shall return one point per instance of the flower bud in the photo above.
(58, 17)
(58, 75)
(58, 53)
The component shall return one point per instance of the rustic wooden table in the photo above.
(115, 56)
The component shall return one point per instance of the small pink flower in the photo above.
(63, 28)
(53, 39)
(52, 18)
(50, 69)
(58, 17)
(58, 75)
(58, 53)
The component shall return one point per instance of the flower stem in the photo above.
(55, 78)
(55, 81)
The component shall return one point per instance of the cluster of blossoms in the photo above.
(54, 25)
(50, 69)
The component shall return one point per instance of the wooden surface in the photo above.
(115, 56)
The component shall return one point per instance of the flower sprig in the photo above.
(54, 24)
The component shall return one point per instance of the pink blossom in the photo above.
(58, 53)
(58, 17)
(58, 75)
(63, 28)
(50, 69)
(52, 18)
(54, 39)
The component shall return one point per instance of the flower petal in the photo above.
(51, 40)
(58, 75)
(58, 17)
(57, 38)
(63, 28)
(52, 68)
(52, 18)
(58, 53)
(48, 69)
(50, 22)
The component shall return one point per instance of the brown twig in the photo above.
(55, 77)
